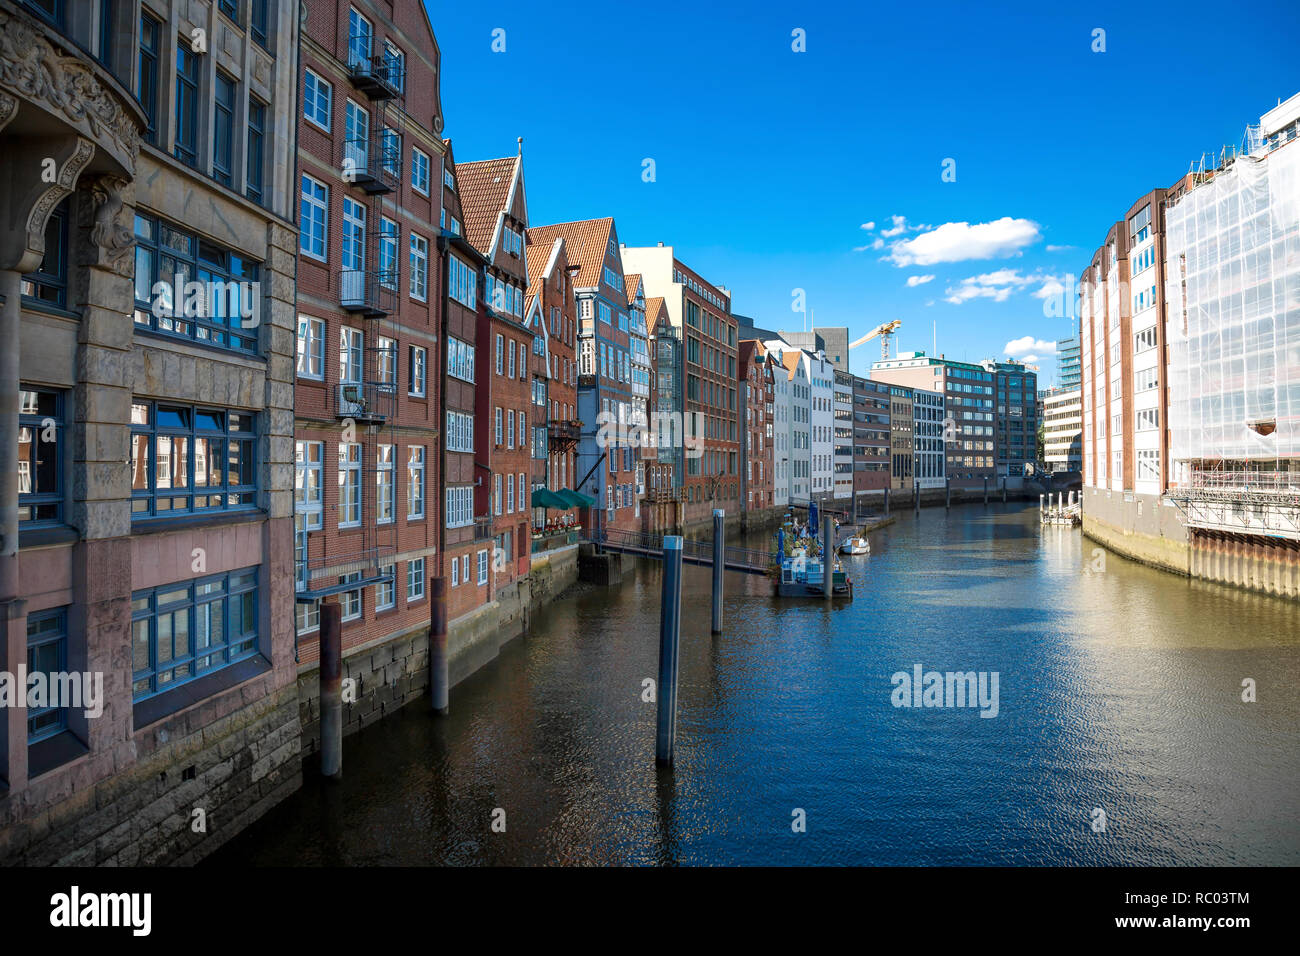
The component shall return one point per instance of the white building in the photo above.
(927, 437)
(782, 391)
(798, 434)
(1063, 430)
(821, 422)
(843, 436)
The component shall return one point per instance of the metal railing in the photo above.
(748, 560)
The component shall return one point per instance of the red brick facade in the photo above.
(757, 375)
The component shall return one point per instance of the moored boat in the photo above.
(855, 545)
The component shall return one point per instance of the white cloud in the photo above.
(868, 226)
(1029, 358)
(897, 229)
(1028, 346)
(914, 281)
(997, 285)
(1050, 289)
(1051, 248)
(959, 241)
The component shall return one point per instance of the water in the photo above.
(1119, 689)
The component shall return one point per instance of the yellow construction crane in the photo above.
(886, 331)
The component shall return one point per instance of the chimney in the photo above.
(661, 245)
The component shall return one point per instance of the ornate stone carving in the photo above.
(108, 233)
(8, 109)
(63, 186)
(30, 66)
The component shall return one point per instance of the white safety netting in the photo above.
(1233, 294)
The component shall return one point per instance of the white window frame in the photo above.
(385, 491)
(419, 256)
(352, 355)
(414, 575)
(419, 371)
(329, 99)
(350, 477)
(483, 567)
(380, 603)
(415, 473)
(311, 346)
(318, 203)
(420, 159)
(312, 509)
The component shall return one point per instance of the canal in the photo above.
(1119, 690)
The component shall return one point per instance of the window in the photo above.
(510, 428)
(1148, 419)
(257, 21)
(1146, 339)
(512, 358)
(460, 360)
(416, 365)
(356, 140)
(307, 614)
(219, 297)
(146, 89)
(49, 283)
(185, 630)
(460, 507)
(230, 8)
(308, 486)
(463, 280)
(419, 171)
(349, 506)
(40, 465)
(360, 34)
(255, 152)
(315, 217)
(1148, 464)
(317, 100)
(395, 66)
(415, 579)
(187, 459)
(311, 347)
(419, 267)
(464, 568)
(499, 427)
(385, 484)
(415, 481)
(390, 152)
(482, 567)
(354, 240)
(47, 653)
(223, 129)
(386, 590)
(1146, 379)
(496, 494)
(351, 350)
(455, 572)
(388, 236)
(187, 103)
(448, 179)
(460, 432)
(351, 600)
(387, 364)
(510, 493)
(500, 354)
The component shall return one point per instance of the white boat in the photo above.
(855, 545)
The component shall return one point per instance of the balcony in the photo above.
(373, 294)
(378, 77)
(564, 434)
(371, 162)
(483, 528)
(366, 402)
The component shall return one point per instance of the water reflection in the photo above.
(1120, 690)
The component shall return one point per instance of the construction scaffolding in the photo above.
(1233, 328)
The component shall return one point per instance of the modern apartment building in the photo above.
(607, 455)
(1016, 389)
(928, 437)
(902, 467)
(1069, 363)
(146, 386)
(366, 411)
(702, 313)
(797, 398)
(842, 462)
(1062, 416)
(872, 438)
(968, 391)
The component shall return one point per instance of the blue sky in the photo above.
(768, 162)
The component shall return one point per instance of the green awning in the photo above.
(575, 499)
(545, 498)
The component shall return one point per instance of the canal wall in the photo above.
(393, 672)
(195, 781)
(1255, 563)
(1137, 526)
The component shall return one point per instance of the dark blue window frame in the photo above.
(163, 252)
(187, 104)
(147, 82)
(187, 630)
(256, 150)
(47, 652)
(223, 128)
(39, 410)
(175, 438)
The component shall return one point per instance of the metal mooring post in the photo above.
(439, 688)
(986, 489)
(670, 623)
(828, 555)
(331, 688)
(719, 563)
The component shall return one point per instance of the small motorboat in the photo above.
(803, 575)
(855, 545)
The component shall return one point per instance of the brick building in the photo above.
(493, 199)
(701, 311)
(757, 387)
(872, 438)
(606, 461)
(551, 309)
(366, 403)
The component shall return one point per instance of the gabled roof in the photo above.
(632, 284)
(540, 258)
(485, 192)
(586, 242)
(656, 313)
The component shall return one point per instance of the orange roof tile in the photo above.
(484, 189)
(585, 242)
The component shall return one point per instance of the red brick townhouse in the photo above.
(550, 307)
(369, 294)
(496, 215)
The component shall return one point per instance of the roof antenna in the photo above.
(521, 145)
